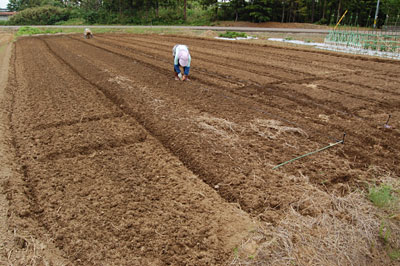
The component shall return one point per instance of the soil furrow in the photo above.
(386, 67)
(113, 195)
(349, 130)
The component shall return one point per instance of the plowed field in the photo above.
(121, 164)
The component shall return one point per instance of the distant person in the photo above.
(182, 59)
(88, 33)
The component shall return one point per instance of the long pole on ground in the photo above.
(376, 13)
(310, 153)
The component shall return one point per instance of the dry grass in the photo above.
(324, 229)
(272, 128)
(219, 129)
(26, 250)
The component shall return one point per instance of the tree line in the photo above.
(205, 12)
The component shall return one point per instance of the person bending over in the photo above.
(182, 59)
(88, 33)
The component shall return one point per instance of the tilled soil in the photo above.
(121, 164)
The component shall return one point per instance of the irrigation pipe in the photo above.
(310, 153)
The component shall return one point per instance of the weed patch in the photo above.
(233, 34)
(34, 31)
(382, 196)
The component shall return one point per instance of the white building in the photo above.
(5, 14)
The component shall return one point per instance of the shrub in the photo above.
(45, 15)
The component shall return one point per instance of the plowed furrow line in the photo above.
(207, 56)
(84, 119)
(304, 99)
(248, 51)
(385, 66)
(272, 66)
(160, 70)
(356, 135)
(92, 149)
(336, 91)
(31, 201)
(204, 68)
(310, 101)
(251, 106)
(123, 201)
(302, 96)
(372, 88)
(185, 153)
(332, 126)
(169, 138)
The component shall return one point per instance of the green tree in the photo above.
(259, 10)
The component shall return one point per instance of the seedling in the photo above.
(385, 232)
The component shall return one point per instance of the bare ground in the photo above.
(117, 163)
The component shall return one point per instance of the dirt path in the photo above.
(120, 164)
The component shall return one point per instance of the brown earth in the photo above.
(118, 163)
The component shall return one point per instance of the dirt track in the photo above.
(121, 164)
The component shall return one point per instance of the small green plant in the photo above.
(374, 45)
(385, 232)
(236, 252)
(323, 182)
(394, 254)
(289, 38)
(382, 196)
(366, 45)
(233, 34)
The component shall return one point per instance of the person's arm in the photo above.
(190, 59)
(174, 50)
(176, 61)
(176, 56)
